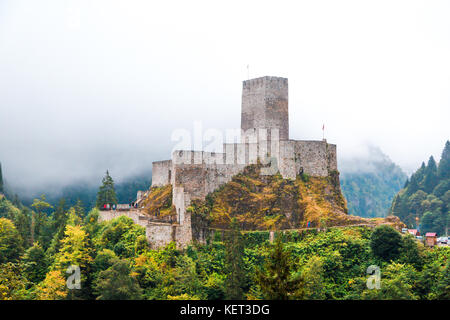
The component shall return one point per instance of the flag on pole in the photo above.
(323, 131)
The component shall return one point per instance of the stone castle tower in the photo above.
(265, 106)
(264, 138)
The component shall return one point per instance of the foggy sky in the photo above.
(87, 86)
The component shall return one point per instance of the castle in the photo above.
(264, 138)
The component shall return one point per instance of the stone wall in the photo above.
(161, 173)
(181, 200)
(200, 173)
(312, 156)
(134, 214)
(160, 234)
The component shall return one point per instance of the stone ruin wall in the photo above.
(200, 173)
(158, 234)
(315, 158)
(161, 173)
(134, 214)
(194, 174)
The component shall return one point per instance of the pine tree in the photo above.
(430, 181)
(35, 263)
(444, 163)
(60, 215)
(79, 209)
(276, 281)
(234, 263)
(116, 283)
(413, 185)
(39, 218)
(406, 183)
(106, 193)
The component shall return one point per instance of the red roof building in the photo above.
(431, 239)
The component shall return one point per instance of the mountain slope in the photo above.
(369, 184)
(426, 196)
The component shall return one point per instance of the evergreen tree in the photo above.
(59, 224)
(106, 193)
(444, 163)
(60, 215)
(234, 263)
(35, 263)
(10, 242)
(39, 218)
(79, 209)
(406, 183)
(276, 280)
(115, 283)
(430, 180)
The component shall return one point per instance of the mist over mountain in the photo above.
(370, 181)
(84, 190)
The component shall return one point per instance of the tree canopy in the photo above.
(106, 193)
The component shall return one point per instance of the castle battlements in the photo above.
(273, 82)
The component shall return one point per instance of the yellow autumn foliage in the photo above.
(53, 287)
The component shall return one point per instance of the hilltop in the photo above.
(261, 202)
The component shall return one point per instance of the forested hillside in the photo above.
(369, 184)
(425, 199)
(116, 262)
(42, 245)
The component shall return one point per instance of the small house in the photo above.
(431, 239)
(414, 232)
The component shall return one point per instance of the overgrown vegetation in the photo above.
(260, 202)
(158, 202)
(117, 263)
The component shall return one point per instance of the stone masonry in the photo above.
(264, 138)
